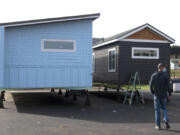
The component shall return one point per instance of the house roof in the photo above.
(97, 40)
(125, 34)
(48, 20)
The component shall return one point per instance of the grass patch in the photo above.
(143, 87)
(175, 73)
(123, 87)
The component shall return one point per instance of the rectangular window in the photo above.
(145, 53)
(112, 60)
(54, 45)
(93, 62)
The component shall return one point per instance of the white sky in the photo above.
(116, 15)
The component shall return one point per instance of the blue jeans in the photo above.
(158, 105)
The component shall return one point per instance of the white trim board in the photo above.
(57, 50)
(145, 40)
(112, 70)
(131, 40)
(144, 57)
(94, 59)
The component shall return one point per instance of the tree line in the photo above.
(175, 50)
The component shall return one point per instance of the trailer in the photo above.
(47, 53)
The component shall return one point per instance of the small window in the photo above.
(112, 60)
(145, 53)
(93, 62)
(58, 45)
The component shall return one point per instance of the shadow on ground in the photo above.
(104, 107)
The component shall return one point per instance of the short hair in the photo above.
(160, 65)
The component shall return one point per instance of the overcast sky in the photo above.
(116, 15)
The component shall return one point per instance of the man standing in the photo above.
(160, 88)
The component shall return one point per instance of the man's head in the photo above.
(162, 67)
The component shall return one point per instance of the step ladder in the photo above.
(133, 90)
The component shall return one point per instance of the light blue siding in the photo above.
(26, 66)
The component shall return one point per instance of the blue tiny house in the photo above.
(47, 53)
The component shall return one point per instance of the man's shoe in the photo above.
(157, 127)
(167, 124)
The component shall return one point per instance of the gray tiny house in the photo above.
(136, 50)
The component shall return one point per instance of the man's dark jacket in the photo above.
(160, 85)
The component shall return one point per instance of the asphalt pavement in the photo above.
(45, 113)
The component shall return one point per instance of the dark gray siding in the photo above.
(101, 73)
(145, 67)
(126, 65)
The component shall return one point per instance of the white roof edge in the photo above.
(57, 20)
(102, 44)
(150, 27)
(145, 40)
(161, 33)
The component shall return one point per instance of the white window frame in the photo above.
(144, 57)
(112, 70)
(57, 50)
(93, 66)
